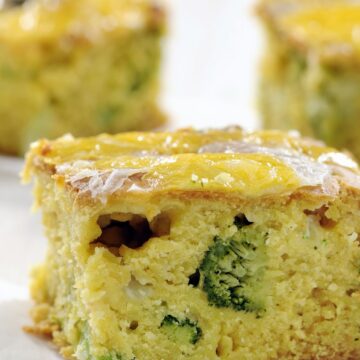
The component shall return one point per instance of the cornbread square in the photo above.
(82, 67)
(198, 245)
(311, 69)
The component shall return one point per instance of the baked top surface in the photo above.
(227, 161)
(331, 29)
(87, 20)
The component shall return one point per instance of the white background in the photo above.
(209, 81)
(212, 61)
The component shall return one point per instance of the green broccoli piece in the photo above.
(181, 331)
(232, 271)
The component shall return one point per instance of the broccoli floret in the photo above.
(181, 331)
(232, 271)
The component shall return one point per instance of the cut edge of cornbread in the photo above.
(131, 269)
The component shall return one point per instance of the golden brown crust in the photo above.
(210, 165)
(43, 330)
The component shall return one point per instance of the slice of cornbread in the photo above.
(198, 245)
(311, 69)
(84, 66)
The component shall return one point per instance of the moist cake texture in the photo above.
(311, 69)
(84, 66)
(197, 245)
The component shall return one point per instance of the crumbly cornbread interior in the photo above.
(118, 267)
(84, 67)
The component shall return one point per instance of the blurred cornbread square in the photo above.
(83, 67)
(197, 245)
(311, 69)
